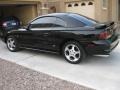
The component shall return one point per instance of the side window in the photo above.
(74, 22)
(44, 22)
(59, 23)
(78, 24)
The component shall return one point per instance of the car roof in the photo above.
(59, 15)
(56, 14)
(67, 17)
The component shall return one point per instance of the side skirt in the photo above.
(47, 51)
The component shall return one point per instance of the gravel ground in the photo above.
(16, 77)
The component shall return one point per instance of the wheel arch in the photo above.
(67, 40)
(5, 39)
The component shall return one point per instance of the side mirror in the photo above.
(26, 27)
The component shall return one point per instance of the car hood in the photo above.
(17, 30)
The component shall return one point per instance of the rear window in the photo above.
(82, 19)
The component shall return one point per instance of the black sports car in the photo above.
(69, 34)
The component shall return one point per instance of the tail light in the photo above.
(104, 35)
(4, 24)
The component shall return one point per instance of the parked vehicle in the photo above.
(8, 23)
(69, 34)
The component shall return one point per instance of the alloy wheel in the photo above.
(11, 44)
(72, 52)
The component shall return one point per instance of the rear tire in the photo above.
(12, 44)
(73, 52)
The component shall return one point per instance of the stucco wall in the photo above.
(109, 14)
(56, 6)
(100, 13)
(114, 10)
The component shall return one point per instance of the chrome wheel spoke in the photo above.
(77, 52)
(67, 49)
(72, 52)
(13, 46)
(11, 43)
(73, 47)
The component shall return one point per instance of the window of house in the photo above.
(104, 4)
(69, 5)
(83, 4)
(90, 3)
(76, 4)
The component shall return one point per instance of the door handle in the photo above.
(46, 34)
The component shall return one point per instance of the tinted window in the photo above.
(43, 22)
(71, 22)
(59, 23)
(83, 19)
(41, 25)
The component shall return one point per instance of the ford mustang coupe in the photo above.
(72, 35)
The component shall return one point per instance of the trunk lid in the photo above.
(108, 29)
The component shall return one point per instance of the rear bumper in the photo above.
(102, 47)
(112, 46)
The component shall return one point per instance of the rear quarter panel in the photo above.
(82, 35)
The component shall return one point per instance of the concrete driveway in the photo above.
(98, 72)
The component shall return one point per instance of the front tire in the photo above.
(12, 44)
(73, 52)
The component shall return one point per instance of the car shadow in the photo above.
(46, 54)
(103, 60)
(93, 60)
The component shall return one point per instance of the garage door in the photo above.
(86, 8)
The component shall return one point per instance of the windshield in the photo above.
(83, 19)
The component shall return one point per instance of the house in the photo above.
(102, 10)
(25, 10)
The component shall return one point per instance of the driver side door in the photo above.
(39, 33)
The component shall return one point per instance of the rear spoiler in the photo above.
(104, 25)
